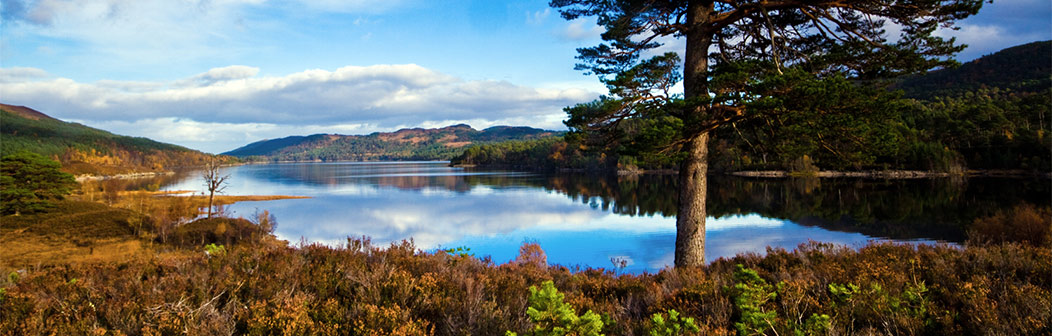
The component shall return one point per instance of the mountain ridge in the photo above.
(405, 144)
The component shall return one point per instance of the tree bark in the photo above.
(696, 58)
(693, 182)
(693, 187)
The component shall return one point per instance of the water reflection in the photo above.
(587, 220)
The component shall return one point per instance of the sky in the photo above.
(215, 75)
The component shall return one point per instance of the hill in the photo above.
(85, 150)
(405, 144)
(1023, 68)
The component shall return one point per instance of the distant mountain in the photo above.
(406, 144)
(86, 150)
(1023, 68)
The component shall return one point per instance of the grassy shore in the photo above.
(107, 269)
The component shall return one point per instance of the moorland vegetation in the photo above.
(137, 262)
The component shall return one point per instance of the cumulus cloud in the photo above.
(232, 106)
(581, 30)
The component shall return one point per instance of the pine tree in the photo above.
(29, 182)
(741, 57)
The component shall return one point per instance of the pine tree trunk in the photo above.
(211, 195)
(690, 221)
(693, 183)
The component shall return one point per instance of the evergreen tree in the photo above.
(740, 59)
(29, 181)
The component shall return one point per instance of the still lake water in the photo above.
(587, 220)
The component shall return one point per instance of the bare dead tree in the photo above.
(214, 182)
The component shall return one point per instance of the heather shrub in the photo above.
(359, 288)
(216, 230)
(1025, 224)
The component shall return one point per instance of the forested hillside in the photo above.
(988, 114)
(406, 144)
(1023, 68)
(86, 150)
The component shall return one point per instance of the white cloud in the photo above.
(581, 30)
(227, 107)
(226, 73)
(15, 74)
(217, 137)
(987, 39)
(132, 32)
(538, 17)
(975, 35)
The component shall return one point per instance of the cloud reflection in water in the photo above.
(493, 213)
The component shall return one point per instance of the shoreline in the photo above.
(890, 174)
(145, 174)
(770, 174)
(128, 176)
(781, 174)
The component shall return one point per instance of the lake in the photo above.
(588, 221)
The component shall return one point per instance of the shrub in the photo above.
(803, 166)
(751, 293)
(361, 289)
(673, 326)
(216, 230)
(215, 250)
(530, 253)
(551, 316)
(1022, 224)
(265, 221)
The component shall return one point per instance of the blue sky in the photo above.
(217, 74)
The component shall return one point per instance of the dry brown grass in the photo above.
(148, 201)
(103, 225)
(21, 250)
(225, 199)
(73, 232)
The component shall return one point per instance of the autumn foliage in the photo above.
(361, 289)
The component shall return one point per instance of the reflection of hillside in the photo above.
(899, 209)
(403, 176)
(142, 183)
(452, 183)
